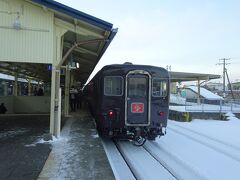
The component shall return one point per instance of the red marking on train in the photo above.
(137, 107)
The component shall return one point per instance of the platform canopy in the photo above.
(184, 76)
(93, 36)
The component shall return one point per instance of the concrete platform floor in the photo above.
(79, 153)
(19, 159)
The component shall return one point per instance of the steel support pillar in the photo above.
(29, 87)
(5, 88)
(16, 84)
(55, 114)
(67, 88)
(52, 108)
(198, 98)
(55, 111)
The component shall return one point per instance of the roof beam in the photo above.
(84, 61)
(80, 49)
(75, 28)
(25, 71)
(106, 34)
(12, 73)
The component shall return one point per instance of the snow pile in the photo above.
(95, 135)
(52, 140)
(231, 116)
(206, 93)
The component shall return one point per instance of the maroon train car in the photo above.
(130, 101)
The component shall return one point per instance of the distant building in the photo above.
(236, 86)
(214, 86)
(206, 96)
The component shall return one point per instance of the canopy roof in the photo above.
(81, 28)
(184, 76)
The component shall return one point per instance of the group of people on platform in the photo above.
(38, 92)
(75, 99)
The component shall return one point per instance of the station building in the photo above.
(50, 45)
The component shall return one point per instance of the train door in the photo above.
(137, 98)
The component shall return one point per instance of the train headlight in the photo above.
(110, 113)
(161, 113)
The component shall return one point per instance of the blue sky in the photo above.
(189, 35)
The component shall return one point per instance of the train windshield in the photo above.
(137, 86)
(159, 87)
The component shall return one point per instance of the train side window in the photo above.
(159, 87)
(113, 86)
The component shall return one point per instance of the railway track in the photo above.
(132, 162)
(183, 154)
(152, 161)
(142, 163)
(225, 148)
(178, 167)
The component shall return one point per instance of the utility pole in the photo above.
(224, 71)
(169, 67)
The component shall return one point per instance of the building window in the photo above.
(113, 86)
(159, 87)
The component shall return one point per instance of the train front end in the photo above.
(136, 103)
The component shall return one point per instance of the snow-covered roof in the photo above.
(177, 99)
(205, 93)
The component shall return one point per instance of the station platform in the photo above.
(78, 153)
(20, 156)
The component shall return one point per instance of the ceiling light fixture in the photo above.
(77, 64)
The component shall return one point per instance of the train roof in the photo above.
(174, 76)
(129, 66)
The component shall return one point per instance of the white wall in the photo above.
(26, 104)
(34, 41)
(8, 102)
(32, 104)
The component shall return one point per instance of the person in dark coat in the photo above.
(79, 99)
(73, 98)
(40, 92)
(3, 109)
(35, 91)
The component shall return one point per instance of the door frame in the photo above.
(142, 72)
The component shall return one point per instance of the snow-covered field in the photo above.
(201, 149)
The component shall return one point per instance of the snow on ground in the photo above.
(42, 141)
(141, 161)
(226, 131)
(200, 149)
(210, 148)
(78, 154)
